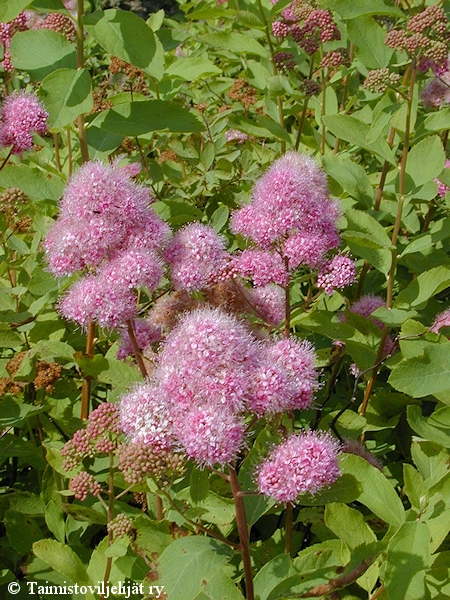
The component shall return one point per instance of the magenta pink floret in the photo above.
(261, 267)
(196, 254)
(304, 463)
(337, 273)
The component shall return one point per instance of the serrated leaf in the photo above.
(235, 42)
(189, 564)
(349, 525)
(423, 287)
(348, 9)
(62, 559)
(373, 242)
(408, 557)
(368, 38)
(377, 493)
(42, 51)
(434, 428)
(33, 182)
(66, 94)
(351, 177)
(425, 160)
(138, 118)
(356, 132)
(193, 68)
(127, 36)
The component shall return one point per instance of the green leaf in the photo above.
(431, 459)
(199, 485)
(42, 51)
(190, 564)
(219, 218)
(356, 132)
(127, 36)
(349, 525)
(176, 213)
(15, 413)
(9, 338)
(235, 42)
(425, 160)
(351, 177)
(152, 536)
(270, 575)
(440, 230)
(377, 493)
(12, 445)
(407, 560)
(423, 287)
(368, 38)
(21, 531)
(421, 376)
(435, 428)
(394, 317)
(66, 94)
(62, 559)
(194, 68)
(36, 184)
(9, 9)
(138, 118)
(54, 519)
(348, 9)
(263, 127)
(371, 242)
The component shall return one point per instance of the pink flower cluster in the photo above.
(210, 372)
(303, 463)
(105, 224)
(293, 221)
(441, 320)
(22, 114)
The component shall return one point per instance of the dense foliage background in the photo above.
(205, 99)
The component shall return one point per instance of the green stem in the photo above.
(111, 500)
(288, 525)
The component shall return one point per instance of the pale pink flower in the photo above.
(337, 273)
(261, 267)
(304, 463)
(269, 301)
(441, 320)
(443, 187)
(196, 255)
(145, 416)
(22, 114)
(210, 435)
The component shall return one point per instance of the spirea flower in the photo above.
(366, 305)
(304, 463)
(83, 484)
(337, 273)
(297, 359)
(437, 91)
(196, 254)
(291, 211)
(441, 320)
(209, 435)
(269, 302)
(443, 187)
(145, 416)
(261, 267)
(22, 115)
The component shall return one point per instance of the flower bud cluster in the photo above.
(337, 273)
(378, 80)
(7, 31)
(84, 484)
(285, 61)
(427, 37)
(61, 24)
(138, 461)
(12, 202)
(120, 526)
(333, 59)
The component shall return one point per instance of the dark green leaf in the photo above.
(61, 558)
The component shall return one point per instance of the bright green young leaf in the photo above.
(377, 493)
(351, 177)
(349, 525)
(438, 231)
(138, 118)
(394, 317)
(193, 68)
(434, 428)
(371, 240)
(423, 287)
(61, 558)
(219, 218)
(271, 574)
(423, 375)
(413, 485)
(42, 51)
(190, 564)
(125, 35)
(408, 557)
(368, 38)
(348, 9)
(425, 160)
(34, 183)
(431, 459)
(356, 132)
(235, 42)
(9, 9)
(66, 94)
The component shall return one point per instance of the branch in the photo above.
(340, 582)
